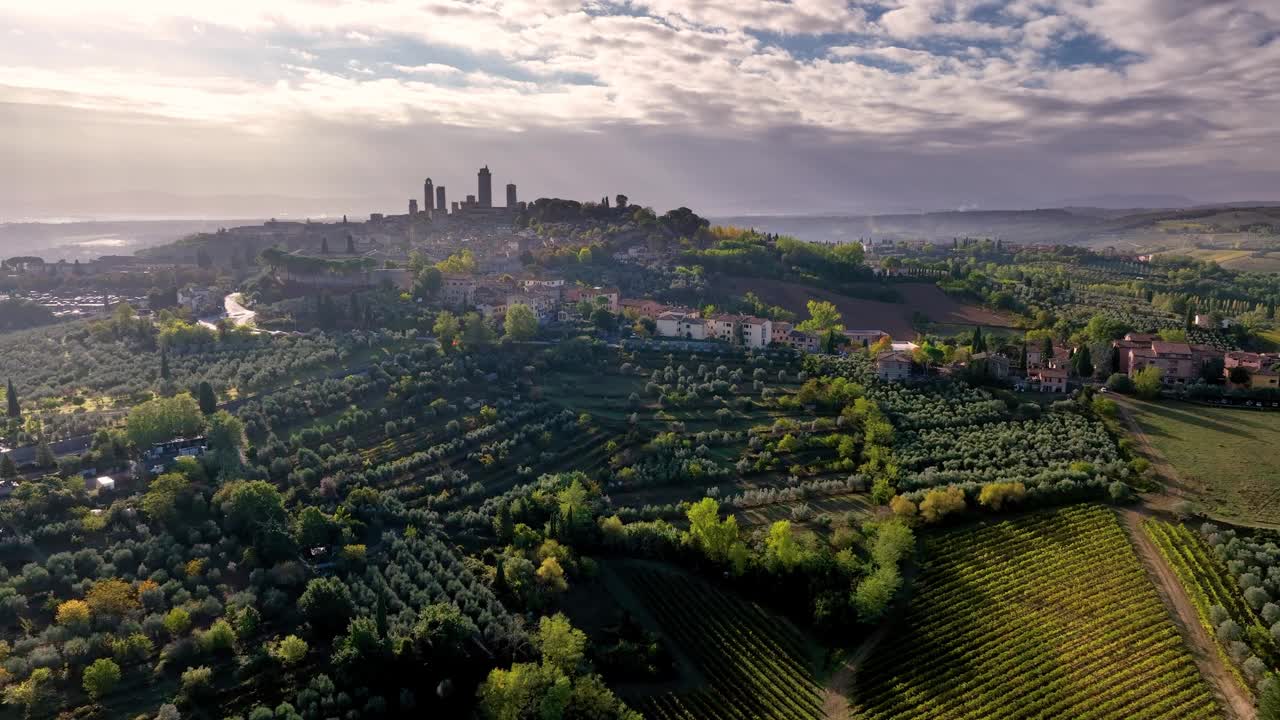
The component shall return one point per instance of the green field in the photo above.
(1050, 615)
(1225, 456)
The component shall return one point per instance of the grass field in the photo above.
(1226, 456)
(1047, 616)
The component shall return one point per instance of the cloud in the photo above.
(1102, 83)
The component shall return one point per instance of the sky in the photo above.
(194, 107)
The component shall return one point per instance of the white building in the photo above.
(893, 366)
(757, 333)
(688, 325)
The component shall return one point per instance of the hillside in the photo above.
(1071, 226)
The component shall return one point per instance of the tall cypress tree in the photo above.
(1022, 359)
(1047, 352)
(164, 363)
(15, 410)
(1082, 362)
(979, 344)
(207, 399)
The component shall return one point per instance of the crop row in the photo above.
(754, 665)
(1050, 615)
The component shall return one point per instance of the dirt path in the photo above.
(835, 696)
(1235, 700)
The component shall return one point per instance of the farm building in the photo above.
(894, 366)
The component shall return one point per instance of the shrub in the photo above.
(220, 636)
(1119, 383)
(288, 651)
(939, 503)
(177, 622)
(197, 682)
(73, 613)
(112, 597)
(101, 677)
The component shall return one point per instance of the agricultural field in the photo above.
(1001, 624)
(751, 663)
(1223, 457)
(1260, 260)
(1238, 621)
(897, 319)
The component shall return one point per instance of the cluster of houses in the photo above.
(746, 330)
(1180, 363)
(548, 298)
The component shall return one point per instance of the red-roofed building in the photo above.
(1179, 362)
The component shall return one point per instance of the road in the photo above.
(236, 311)
(233, 310)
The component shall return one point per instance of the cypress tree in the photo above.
(500, 580)
(15, 410)
(7, 468)
(1082, 363)
(1023, 357)
(164, 364)
(1047, 352)
(979, 344)
(45, 457)
(208, 400)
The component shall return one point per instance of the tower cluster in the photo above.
(435, 201)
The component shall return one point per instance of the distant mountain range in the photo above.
(1071, 225)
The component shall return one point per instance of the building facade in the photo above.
(893, 366)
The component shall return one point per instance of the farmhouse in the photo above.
(865, 337)
(722, 327)
(802, 341)
(644, 307)
(893, 366)
(682, 324)
(1131, 341)
(1061, 357)
(199, 300)
(779, 330)
(756, 332)
(1179, 363)
(991, 364)
(1051, 379)
(607, 297)
(458, 289)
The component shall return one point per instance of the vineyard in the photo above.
(1222, 609)
(755, 665)
(1003, 625)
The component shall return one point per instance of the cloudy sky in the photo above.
(728, 106)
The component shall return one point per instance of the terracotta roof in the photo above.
(1170, 348)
